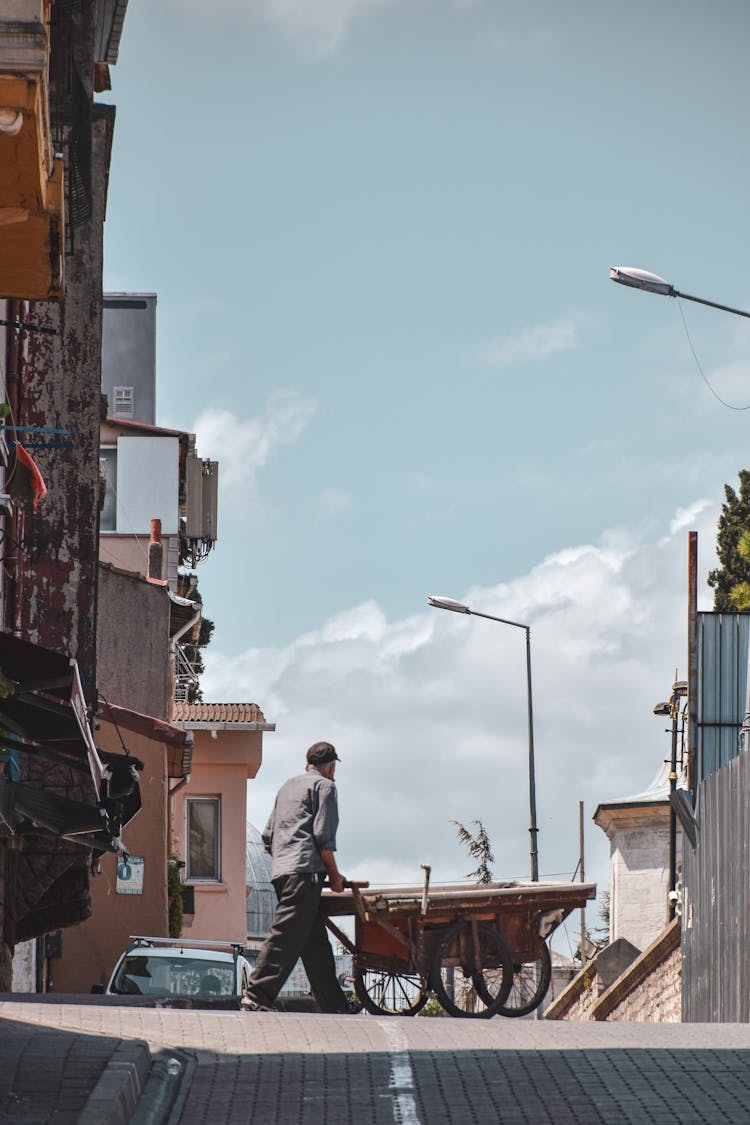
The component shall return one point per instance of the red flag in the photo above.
(26, 483)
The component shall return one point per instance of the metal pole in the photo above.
(583, 880)
(694, 766)
(672, 904)
(533, 830)
(711, 304)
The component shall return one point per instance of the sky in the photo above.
(380, 232)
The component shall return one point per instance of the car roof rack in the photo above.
(141, 940)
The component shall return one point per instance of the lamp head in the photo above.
(662, 709)
(447, 603)
(641, 279)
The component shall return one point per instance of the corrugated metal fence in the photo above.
(722, 687)
(716, 900)
(716, 873)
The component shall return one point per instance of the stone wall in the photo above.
(658, 998)
(647, 987)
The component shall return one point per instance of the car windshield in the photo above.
(178, 975)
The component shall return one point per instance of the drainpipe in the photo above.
(189, 741)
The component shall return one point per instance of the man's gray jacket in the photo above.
(303, 823)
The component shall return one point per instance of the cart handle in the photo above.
(356, 884)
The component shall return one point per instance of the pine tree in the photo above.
(479, 849)
(731, 580)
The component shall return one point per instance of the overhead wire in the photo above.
(717, 396)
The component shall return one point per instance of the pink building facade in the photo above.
(209, 813)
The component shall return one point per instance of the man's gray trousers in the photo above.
(297, 931)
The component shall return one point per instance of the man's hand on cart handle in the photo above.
(351, 884)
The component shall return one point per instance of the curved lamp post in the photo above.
(652, 283)
(458, 607)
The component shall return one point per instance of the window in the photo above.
(203, 838)
(123, 402)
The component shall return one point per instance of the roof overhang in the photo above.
(178, 745)
(189, 724)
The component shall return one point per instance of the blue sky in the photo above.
(380, 232)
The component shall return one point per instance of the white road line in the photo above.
(402, 1077)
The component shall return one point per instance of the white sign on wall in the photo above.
(130, 875)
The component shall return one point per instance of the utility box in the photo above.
(202, 499)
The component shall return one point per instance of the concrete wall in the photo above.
(221, 768)
(133, 643)
(24, 967)
(90, 950)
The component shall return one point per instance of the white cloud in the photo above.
(245, 445)
(688, 517)
(537, 342)
(429, 713)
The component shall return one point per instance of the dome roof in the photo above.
(261, 901)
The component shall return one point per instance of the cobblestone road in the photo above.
(279, 1069)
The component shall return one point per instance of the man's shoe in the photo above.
(248, 1005)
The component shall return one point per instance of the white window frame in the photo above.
(123, 402)
(189, 876)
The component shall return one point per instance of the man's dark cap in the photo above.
(320, 753)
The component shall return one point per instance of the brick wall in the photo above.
(658, 998)
(648, 990)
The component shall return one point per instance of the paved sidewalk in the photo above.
(275, 1069)
(51, 1074)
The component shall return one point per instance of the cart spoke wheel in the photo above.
(530, 983)
(458, 969)
(390, 994)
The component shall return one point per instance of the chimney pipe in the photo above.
(155, 551)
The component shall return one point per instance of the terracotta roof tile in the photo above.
(217, 713)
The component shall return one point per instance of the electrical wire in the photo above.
(698, 365)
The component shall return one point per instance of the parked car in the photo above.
(177, 967)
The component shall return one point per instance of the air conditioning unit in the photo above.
(202, 499)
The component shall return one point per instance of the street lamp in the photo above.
(652, 283)
(458, 607)
(672, 710)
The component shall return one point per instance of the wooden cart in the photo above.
(480, 949)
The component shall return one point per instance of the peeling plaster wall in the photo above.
(56, 606)
(62, 390)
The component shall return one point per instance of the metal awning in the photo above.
(43, 712)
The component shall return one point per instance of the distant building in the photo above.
(638, 831)
(129, 356)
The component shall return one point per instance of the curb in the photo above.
(116, 1094)
(166, 1089)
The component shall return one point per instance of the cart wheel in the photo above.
(530, 983)
(455, 975)
(390, 994)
